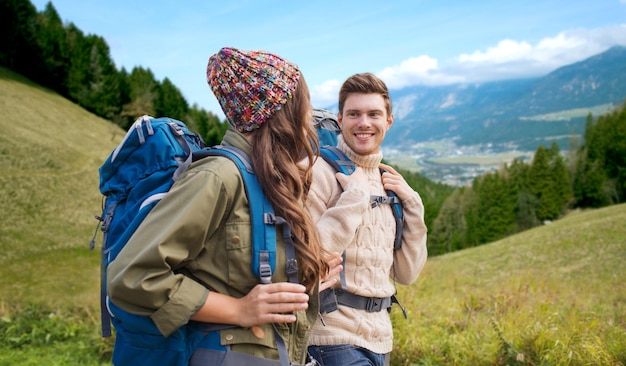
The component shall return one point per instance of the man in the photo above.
(353, 218)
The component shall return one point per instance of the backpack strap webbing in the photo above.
(396, 207)
(105, 316)
(337, 159)
(262, 215)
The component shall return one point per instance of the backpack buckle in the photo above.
(265, 270)
(291, 267)
(373, 304)
(265, 273)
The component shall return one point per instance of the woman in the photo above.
(188, 266)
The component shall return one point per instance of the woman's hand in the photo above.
(265, 303)
(272, 303)
(334, 268)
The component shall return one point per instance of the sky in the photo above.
(404, 42)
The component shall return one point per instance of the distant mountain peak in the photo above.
(500, 111)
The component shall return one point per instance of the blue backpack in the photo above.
(327, 127)
(137, 174)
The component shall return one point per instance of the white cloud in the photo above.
(325, 94)
(417, 70)
(515, 59)
(508, 59)
(420, 65)
(506, 50)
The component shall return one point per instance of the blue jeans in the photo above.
(347, 355)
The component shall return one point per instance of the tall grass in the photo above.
(555, 295)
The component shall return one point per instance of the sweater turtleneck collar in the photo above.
(365, 161)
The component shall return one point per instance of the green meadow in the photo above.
(554, 295)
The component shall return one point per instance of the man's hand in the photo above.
(357, 177)
(394, 181)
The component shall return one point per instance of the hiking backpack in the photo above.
(135, 177)
(327, 127)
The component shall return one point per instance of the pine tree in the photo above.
(170, 101)
(207, 125)
(600, 177)
(540, 184)
(78, 70)
(103, 80)
(550, 183)
(142, 91)
(449, 229)
(589, 182)
(613, 128)
(19, 50)
(52, 40)
(526, 205)
(495, 210)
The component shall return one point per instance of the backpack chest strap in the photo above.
(389, 200)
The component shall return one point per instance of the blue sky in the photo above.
(430, 42)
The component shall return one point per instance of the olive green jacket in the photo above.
(197, 240)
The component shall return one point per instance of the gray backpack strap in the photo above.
(282, 347)
(291, 264)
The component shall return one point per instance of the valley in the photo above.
(449, 162)
(445, 162)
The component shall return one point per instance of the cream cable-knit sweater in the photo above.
(347, 222)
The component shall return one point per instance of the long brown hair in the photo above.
(278, 149)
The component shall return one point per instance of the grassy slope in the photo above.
(553, 295)
(544, 294)
(50, 151)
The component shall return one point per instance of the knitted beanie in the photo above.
(250, 85)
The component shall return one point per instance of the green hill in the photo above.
(553, 295)
(50, 151)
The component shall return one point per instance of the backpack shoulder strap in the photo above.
(338, 160)
(262, 215)
(396, 208)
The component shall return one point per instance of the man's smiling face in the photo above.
(364, 122)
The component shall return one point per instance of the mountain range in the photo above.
(520, 114)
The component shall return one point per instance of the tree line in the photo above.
(79, 66)
(520, 195)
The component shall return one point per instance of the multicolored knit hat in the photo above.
(250, 85)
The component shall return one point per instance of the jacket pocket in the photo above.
(239, 256)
